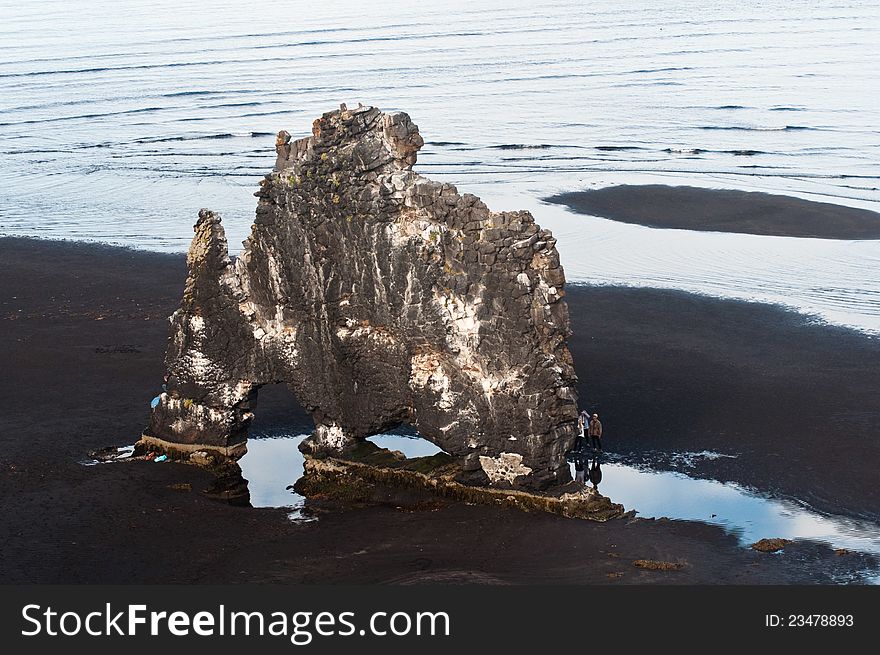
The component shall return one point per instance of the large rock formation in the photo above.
(380, 298)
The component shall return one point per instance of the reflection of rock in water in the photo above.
(229, 485)
(380, 297)
(375, 475)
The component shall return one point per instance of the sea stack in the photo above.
(379, 298)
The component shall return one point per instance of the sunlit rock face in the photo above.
(379, 297)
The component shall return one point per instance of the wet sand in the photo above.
(722, 210)
(81, 347)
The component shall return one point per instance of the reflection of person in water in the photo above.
(595, 473)
(580, 467)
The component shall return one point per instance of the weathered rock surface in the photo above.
(379, 297)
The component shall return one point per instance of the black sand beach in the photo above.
(722, 210)
(84, 331)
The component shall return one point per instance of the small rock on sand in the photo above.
(770, 545)
(658, 565)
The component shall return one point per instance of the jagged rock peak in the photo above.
(380, 298)
(377, 141)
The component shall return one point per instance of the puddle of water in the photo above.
(746, 514)
(274, 463)
(270, 466)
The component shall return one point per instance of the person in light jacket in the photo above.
(595, 432)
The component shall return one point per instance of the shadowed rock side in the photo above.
(379, 297)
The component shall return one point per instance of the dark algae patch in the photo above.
(722, 210)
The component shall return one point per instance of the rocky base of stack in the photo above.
(377, 476)
(185, 451)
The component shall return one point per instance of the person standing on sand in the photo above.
(581, 442)
(595, 432)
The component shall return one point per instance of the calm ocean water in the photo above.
(119, 120)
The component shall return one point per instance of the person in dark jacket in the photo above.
(595, 432)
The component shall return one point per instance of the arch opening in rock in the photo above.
(406, 441)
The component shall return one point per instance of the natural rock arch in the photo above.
(379, 297)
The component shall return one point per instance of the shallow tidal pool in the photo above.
(273, 463)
